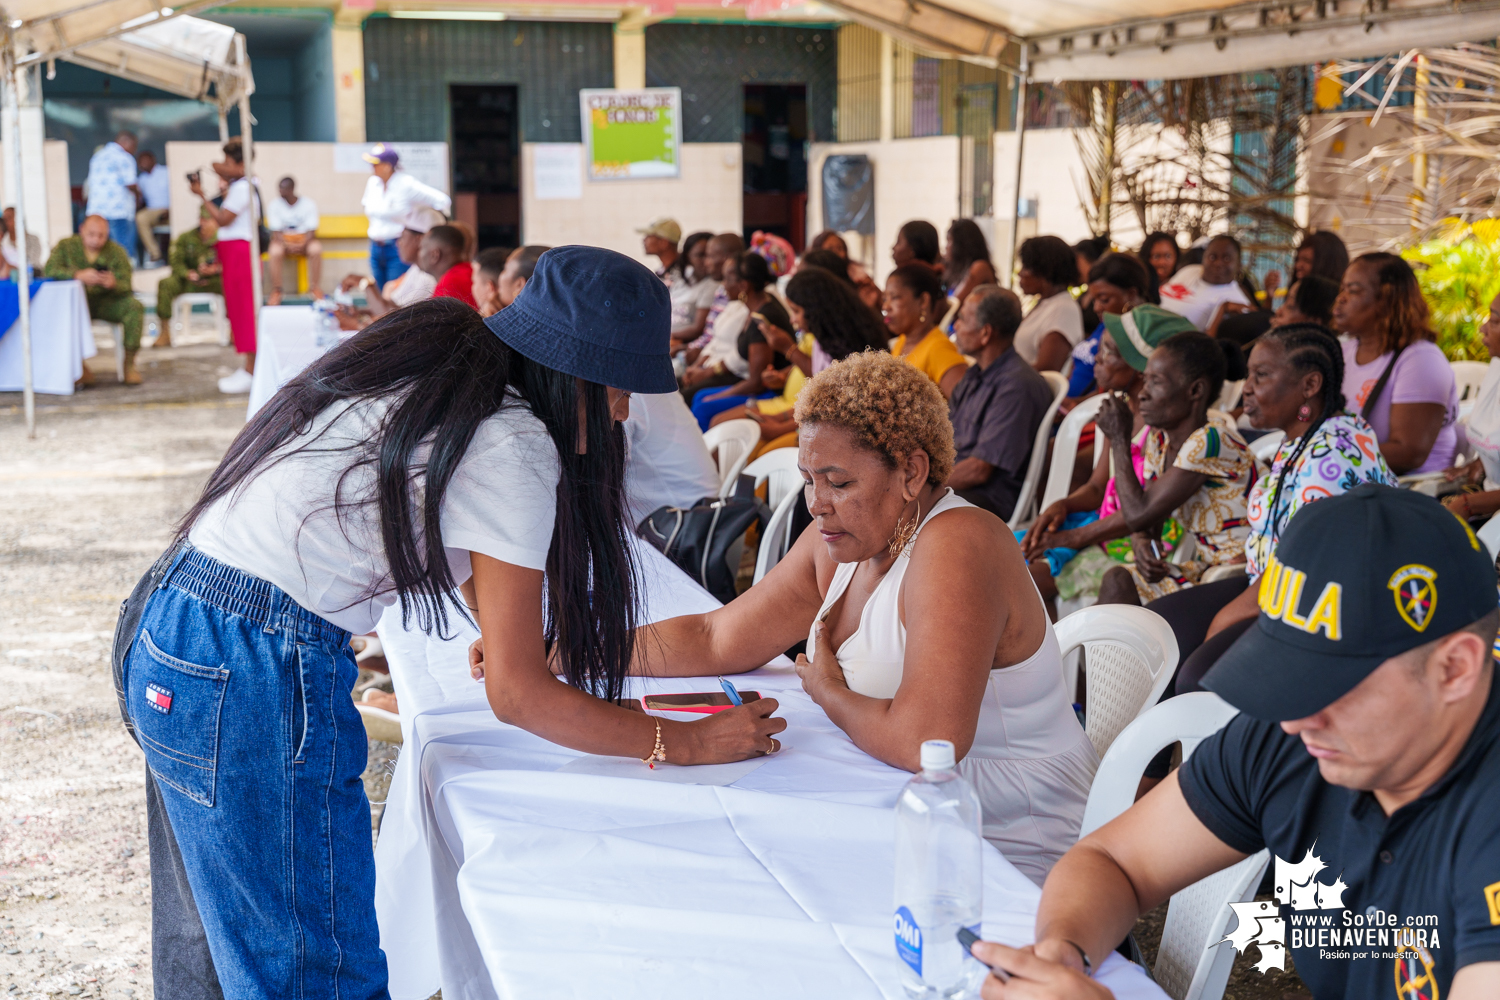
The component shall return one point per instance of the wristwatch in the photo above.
(1088, 966)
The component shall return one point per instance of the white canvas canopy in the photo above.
(138, 40)
(1172, 39)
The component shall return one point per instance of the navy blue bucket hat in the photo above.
(595, 314)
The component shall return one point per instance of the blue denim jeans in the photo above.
(240, 700)
(122, 231)
(385, 262)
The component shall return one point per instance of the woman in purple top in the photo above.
(1395, 375)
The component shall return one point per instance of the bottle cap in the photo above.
(937, 755)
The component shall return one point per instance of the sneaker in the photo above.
(235, 384)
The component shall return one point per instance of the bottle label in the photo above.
(908, 940)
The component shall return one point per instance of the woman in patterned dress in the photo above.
(1196, 468)
(1295, 385)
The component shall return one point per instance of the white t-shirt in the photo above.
(155, 187)
(386, 203)
(1483, 426)
(280, 527)
(237, 200)
(687, 299)
(416, 285)
(666, 461)
(299, 218)
(724, 347)
(1189, 296)
(1058, 312)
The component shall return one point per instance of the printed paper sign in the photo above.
(632, 134)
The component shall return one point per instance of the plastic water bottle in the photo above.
(939, 878)
(325, 324)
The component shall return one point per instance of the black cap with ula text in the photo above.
(1356, 579)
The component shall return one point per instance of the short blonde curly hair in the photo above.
(891, 407)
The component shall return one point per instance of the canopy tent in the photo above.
(138, 40)
(1165, 39)
(1171, 39)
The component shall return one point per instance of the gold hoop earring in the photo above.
(905, 532)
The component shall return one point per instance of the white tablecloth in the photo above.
(284, 345)
(500, 875)
(60, 339)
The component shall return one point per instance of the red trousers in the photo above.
(239, 293)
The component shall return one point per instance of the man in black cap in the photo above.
(1366, 759)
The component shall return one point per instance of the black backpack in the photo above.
(705, 540)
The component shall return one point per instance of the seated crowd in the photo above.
(915, 410)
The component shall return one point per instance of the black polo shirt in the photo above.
(1420, 888)
(996, 412)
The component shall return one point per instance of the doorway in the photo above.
(774, 148)
(486, 151)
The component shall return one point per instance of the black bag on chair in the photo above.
(701, 539)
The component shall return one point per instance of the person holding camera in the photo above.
(103, 266)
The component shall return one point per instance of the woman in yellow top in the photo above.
(914, 303)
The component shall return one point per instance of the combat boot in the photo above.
(132, 375)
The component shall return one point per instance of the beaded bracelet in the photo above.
(658, 752)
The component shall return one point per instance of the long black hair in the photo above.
(834, 314)
(680, 265)
(1309, 348)
(443, 373)
(1330, 255)
(922, 237)
(828, 261)
(969, 245)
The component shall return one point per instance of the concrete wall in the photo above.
(49, 205)
(707, 196)
(914, 179)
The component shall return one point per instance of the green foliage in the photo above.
(1459, 272)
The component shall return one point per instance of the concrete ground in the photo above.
(84, 509)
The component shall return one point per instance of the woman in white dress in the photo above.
(921, 618)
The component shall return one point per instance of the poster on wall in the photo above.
(632, 134)
(426, 161)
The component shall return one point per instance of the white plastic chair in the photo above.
(1025, 509)
(1470, 376)
(731, 444)
(1130, 655)
(1264, 447)
(1490, 536)
(182, 307)
(1065, 450)
(1229, 396)
(778, 470)
(777, 539)
(1188, 965)
(116, 334)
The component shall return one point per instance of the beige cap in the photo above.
(421, 219)
(667, 229)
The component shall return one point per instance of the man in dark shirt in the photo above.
(1365, 761)
(997, 406)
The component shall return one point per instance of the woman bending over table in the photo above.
(434, 449)
(920, 616)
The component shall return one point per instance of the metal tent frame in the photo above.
(1165, 39)
(139, 40)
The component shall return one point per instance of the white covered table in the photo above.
(509, 866)
(284, 345)
(61, 338)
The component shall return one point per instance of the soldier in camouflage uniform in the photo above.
(195, 268)
(104, 268)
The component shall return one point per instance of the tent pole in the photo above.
(23, 282)
(255, 206)
(1015, 198)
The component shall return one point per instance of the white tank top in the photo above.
(1026, 712)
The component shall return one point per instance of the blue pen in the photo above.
(734, 696)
